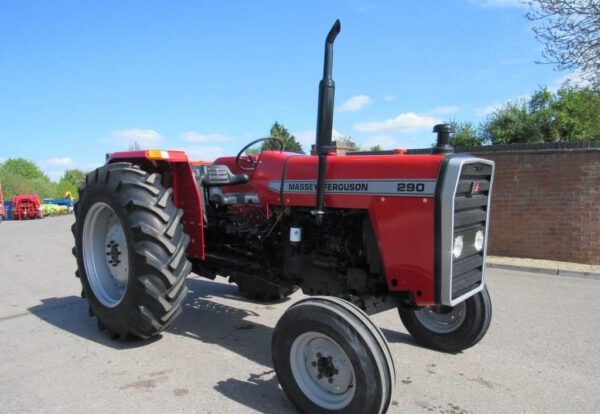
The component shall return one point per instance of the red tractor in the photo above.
(359, 234)
(26, 206)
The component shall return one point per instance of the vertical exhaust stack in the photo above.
(325, 119)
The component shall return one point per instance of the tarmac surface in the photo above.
(541, 354)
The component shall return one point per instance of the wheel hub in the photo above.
(113, 252)
(105, 254)
(322, 370)
(442, 319)
(325, 367)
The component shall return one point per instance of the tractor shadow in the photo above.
(226, 326)
(260, 392)
(70, 314)
(223, 325)
(203, 320)
(395, 337)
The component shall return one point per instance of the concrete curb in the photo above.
(547, 271)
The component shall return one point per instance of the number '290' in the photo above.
(410, 187)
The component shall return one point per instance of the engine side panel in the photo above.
(403, 220)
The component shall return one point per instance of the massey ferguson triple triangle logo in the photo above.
(418, 188)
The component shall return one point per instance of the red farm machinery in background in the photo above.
(358, 234)
(26, 206)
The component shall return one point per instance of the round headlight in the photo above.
(458, 246)
(478, 243)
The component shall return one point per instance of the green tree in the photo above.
(507, 125)
(578, 114)
(21, 176)
(376, 148)
(571, 114)
(465, 134)
(289, 141)
(135, 146)
(22, 167)
(70, 182)
(570, 33)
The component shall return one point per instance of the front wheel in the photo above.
(450, 329)
(330, 358)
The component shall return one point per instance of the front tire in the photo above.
(450, 329)
(330, 358)
(130, 249)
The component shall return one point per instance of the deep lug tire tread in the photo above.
(158, 264)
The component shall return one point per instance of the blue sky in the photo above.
(82, 78)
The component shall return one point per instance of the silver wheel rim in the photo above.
(322, 370)
(442, 319)
(105, 254)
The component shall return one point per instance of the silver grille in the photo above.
(464, 210)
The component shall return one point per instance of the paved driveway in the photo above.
(541, 355)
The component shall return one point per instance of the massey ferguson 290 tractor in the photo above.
(359, 234)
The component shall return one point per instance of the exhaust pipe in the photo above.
(325, 119)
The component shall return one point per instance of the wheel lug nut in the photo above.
(335, 372)
(314, 364)
(330, 380)
(318, 355)
(319, 376)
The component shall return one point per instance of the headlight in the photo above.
(458, 246)
(478, 243)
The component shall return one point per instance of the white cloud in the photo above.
(407, 122)
(497, 4)
(305, 138)
(203, 153)
(335, 134)
(56, 162)
(146, 138)
(575, 79)
(2, 159)
(354, 104)
(444, 110)
(191, 136)
(389, 98)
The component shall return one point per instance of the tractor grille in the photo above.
(470, 218)
(462, 210)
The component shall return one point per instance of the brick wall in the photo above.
(546, 205)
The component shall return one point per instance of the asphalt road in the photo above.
(541, 355)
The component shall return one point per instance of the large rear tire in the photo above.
(450, 329)
(330, 358)
(130, 249)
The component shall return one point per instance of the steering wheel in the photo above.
(248, 159)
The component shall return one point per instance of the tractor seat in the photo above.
(220, 175)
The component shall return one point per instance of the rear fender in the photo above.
(177, 174)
